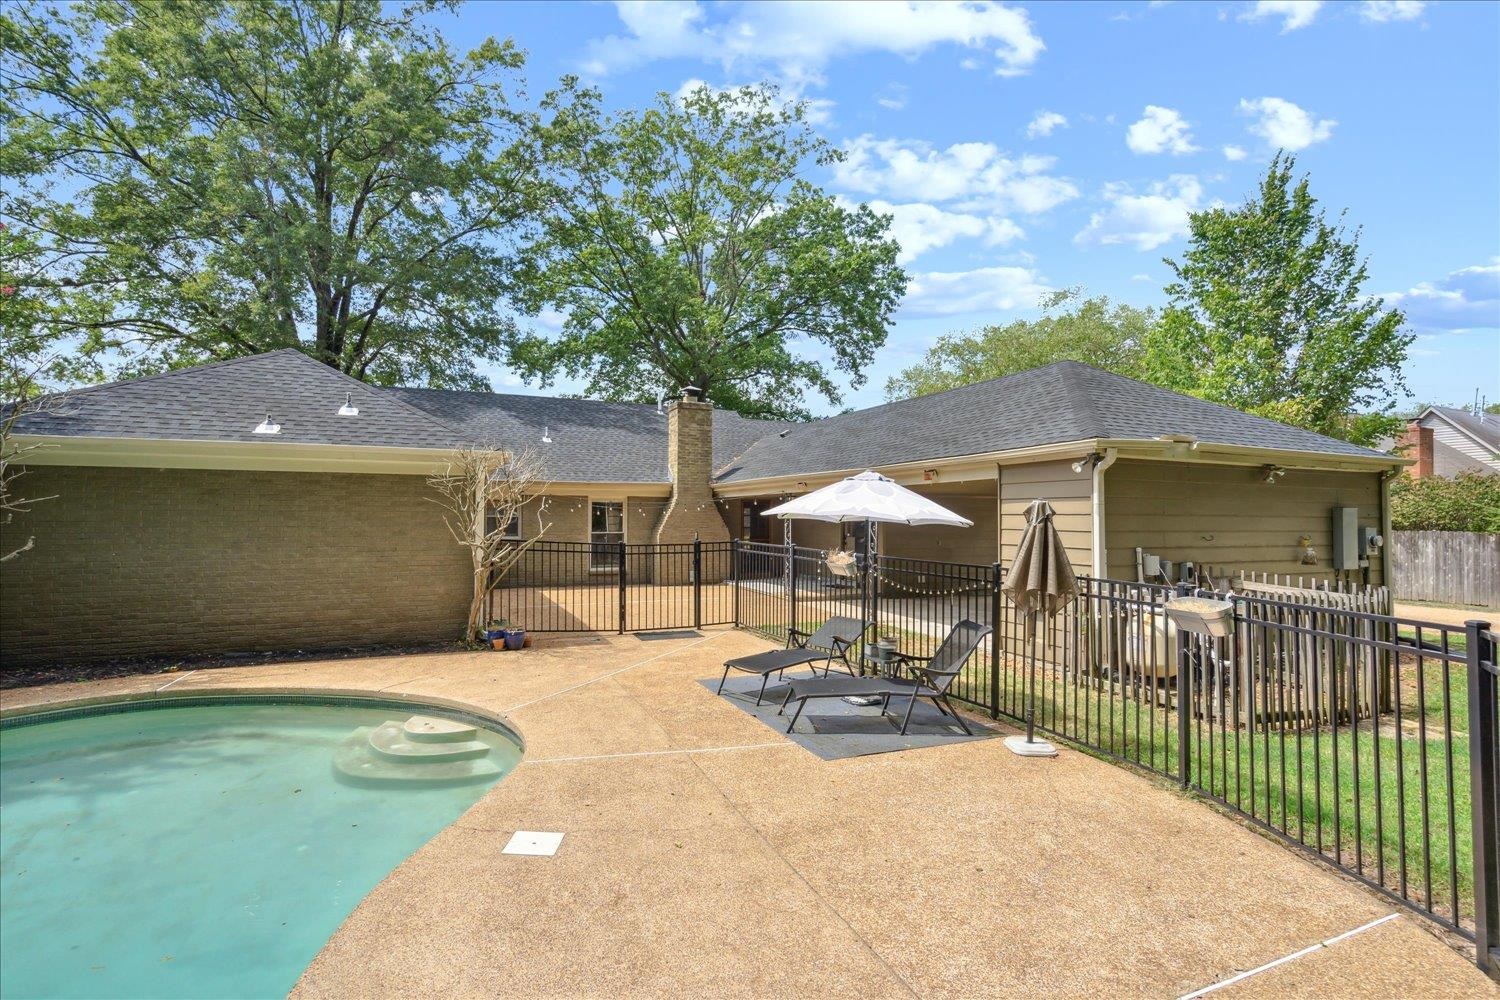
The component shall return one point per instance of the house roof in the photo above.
(593, 441)
(1484, 430)
(1060, 402)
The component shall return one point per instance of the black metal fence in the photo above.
(1367, 740)
(616, 587)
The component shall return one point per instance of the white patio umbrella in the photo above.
(873, 499)
(868, 496)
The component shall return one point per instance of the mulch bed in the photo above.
(63, 673)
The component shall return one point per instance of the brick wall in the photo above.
(141, 562)
(692, 509)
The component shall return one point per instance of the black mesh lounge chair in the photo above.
(832, 641)
(931, 678)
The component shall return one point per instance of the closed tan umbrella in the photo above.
(1039, 581)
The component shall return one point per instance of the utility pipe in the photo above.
(1100, 558)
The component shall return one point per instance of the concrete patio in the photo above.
(706, 855)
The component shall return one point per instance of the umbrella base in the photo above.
(1038, 748)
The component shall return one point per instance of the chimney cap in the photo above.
(692, 392)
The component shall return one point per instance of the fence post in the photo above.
(734, 577)
(997, 577)
(623, 571)
(791, 584)
(697, 582)
(1483, 778)
(1184, 697)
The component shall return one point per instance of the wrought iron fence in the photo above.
(617, 587)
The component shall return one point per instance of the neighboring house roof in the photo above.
(1060, 402)
(1483, 431)
(594, 441)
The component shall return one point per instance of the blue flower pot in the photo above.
(515, 638)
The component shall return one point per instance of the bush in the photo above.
(1469, 502)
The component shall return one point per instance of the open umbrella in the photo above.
(873, 499)
(1039, 581)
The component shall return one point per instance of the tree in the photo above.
(1092, 330)
(683, 247)
(1267, 314)
(482, 490)
(1468, 502)
(214, 178)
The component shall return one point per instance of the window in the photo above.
(512, 530)
(606, 532)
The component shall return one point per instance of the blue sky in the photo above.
(1030, 147)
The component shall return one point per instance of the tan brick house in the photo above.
(181, 522)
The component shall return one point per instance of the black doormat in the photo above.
(653, 636)
(833, 729)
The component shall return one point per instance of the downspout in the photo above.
(1101, 567)
(1386, 478)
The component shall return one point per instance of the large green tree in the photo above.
(1073, 328)
(213, 178)
(683, 245)
(1267, 313)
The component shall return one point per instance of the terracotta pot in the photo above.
(497, 643)
(526, 643)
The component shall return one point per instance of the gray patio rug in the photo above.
(835, 730)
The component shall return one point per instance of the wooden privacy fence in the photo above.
(1451, 567)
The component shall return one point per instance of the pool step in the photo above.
(430, 729)
(389, 740)
(420, 751)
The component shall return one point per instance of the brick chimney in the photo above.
(1416, 442)
(690, 462)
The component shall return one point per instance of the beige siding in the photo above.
(1071, 496)
(960, 545)
(1225, 516)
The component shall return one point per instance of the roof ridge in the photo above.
(568, 399)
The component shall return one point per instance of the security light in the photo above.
(348, 409)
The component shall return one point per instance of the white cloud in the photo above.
(976, 175)
(1382, 11)
(1144, 221)
(920, 227)
(1160, 130)
(799, 40)
(1284, 125)
(985, 289)
(819, 110)
(1294, 14)
(1045, 123)
(893, 97)
(1234, 153)
(1466, 299)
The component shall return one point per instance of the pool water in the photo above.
(202, 851)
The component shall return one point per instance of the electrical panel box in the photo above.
(1369, 541)
(1346, 547)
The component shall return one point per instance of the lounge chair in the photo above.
(931, 678)
(832, 641)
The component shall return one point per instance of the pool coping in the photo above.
(140, 701)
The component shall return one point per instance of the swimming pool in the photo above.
(209, 848)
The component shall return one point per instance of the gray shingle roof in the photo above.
(592, 441)
(224, 401)
(1486, 429)
(1064, 401)
(596, 441)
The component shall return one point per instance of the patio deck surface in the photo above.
(707, 855)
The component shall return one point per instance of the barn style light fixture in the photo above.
(348, 409)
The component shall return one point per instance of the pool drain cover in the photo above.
(533, 843)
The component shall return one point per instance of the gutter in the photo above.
(1100, 553)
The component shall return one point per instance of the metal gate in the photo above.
(617, 587)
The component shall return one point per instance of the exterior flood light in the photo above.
(348, 409)
(267, 427)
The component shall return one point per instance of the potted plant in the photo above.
(515, 638)
(496, 632)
